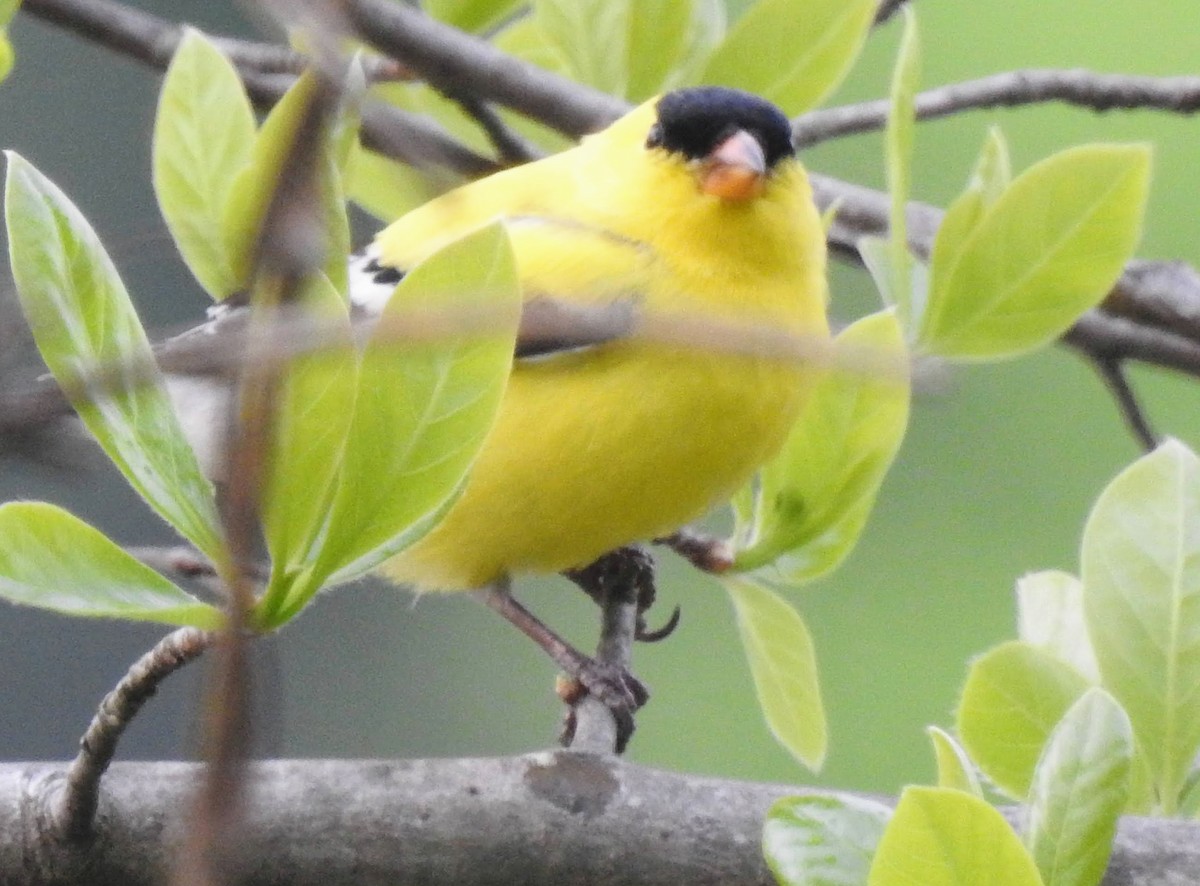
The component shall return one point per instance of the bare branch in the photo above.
(559, 818)
(512, 148)
(708, 553)
(75, 808)
(1087, 89)
(268, 71)
(1113, 373)
(461, 64)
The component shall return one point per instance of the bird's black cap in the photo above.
(692, 122)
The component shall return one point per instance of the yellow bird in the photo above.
(694, 205)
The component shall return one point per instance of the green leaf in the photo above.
(471, 15)
(314, 406)
(815, 496)
(84, 324)
(7, 56)
(422, 410)
(53, 560)
(1079, 790)
(1141, 578)
(1050, 615)
(1014, 696)
(880, 261)
(658, 31)
(784, 666)
(1047, 250)
(791, 53)
(591, 37)
(255, 187)
(993, 170)
(8, 8)
(705, 31)
(623, 47)
(990, 178)
(822, 839)
(387, 189)
(898, 151)
(203, 134)
(954, 768)
(941, 837)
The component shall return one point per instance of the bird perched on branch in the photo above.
(691, 206)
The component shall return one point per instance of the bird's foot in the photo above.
(615, 687)
(626, 573)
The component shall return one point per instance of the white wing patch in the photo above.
(371, 284)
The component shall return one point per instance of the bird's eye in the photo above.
(655, 138)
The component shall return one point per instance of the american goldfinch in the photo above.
(693, 205)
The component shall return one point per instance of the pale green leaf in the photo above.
(793, 54)
(8, 8)
(1047, 250)
(525, 39)
(784, 666)
(591, 37)
(1050, 615)
(314, 406)
(993, 170)
(705, 31)
(385, 188)
(203, 134)
(422, 410)
(471, 15)
(942, 837)
(1141, 579)
(815, 496)
(954, 768)
(822, 839)
(254, 188)
(880, 261)
(658, 33)
(84, 324)
(7, 56)
(1014, 696)
(898, 151)
(990, 178)
(53, 560)
(1079, 790)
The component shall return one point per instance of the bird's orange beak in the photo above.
(736, 169)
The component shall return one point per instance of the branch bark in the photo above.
(1086, 89)
(558, 818)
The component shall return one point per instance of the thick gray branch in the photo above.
(552, 818)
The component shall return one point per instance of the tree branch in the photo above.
(76, 806)
(1086, 89)
(558, 818)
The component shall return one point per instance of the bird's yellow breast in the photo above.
(629, 440)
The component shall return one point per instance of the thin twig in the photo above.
(1086, 89)
(76, 806)
(153, 40)
(1113, 373)
(708, 553)
(268, 71)
(512, 148)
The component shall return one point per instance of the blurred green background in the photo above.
(995, 479)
